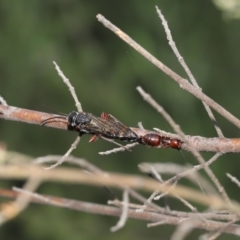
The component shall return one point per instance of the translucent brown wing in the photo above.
(110, 127)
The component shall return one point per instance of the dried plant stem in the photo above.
(196, 168)
(233, 179)
(213, 216)
(70, 87)
(221, 230)
(31, 117)
(177, 129)
(184, 84)
(124, 215)
(114, 180)
(12, 209)
(3, 101)
(208, 225)
(177, 169)
(201, 144)
(70, 159)
(186, 68)
(158, 177)
(65, 156)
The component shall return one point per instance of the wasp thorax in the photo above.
(76, 119)
(82, 119)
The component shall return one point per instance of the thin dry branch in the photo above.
(123, 218)
(183, 83)
(184, 228)
(186, 68)
(70, 159)
(177, 169)
(233, 179)
(195, 153)
(201, 144)
(221, 230)
(120, 149)
(205, 215)
(67, 175)
(3, 101)
(158, 177)
(196, 168)
(208, 225)
(65, 156)
(32, 117)
(12, 209)
(70, 87)
(79, 108)
(150, 207)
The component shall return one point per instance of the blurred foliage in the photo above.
(105, 72)
(230, 8)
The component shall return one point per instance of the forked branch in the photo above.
(181, 81)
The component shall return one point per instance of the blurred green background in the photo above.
(105, 72)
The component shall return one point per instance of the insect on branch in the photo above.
(222, 145)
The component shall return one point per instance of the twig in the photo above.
(155, 224)
(192, 170)
(67, 175)
(3, 101)
(222, 145)
(120, 149)
(70, 87)
(184, 228)
(135, 195)
(158, 177)
(185, 215)
(13, 209)
(177, 129)
(116, 143)
(184, 84)
(64, 157)
(221, 230)
(186, 68)
(124, 215)
(113, 211)
(176, 169)
(70, 159)
(234, 179)
(31, 117)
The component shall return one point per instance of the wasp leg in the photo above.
(104, 116)
(93, 139)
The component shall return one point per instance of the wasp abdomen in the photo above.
(151, 139)
(175, 143)
(155, 140)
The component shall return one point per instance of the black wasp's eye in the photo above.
(72, 118)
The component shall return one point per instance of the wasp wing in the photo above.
(110, 127)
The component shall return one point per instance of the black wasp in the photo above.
(110, 127)
(106, 126)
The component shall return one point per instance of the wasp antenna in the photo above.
(52, 119)
(52, 110)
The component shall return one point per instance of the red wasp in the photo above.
(155, 140)
(106, 126)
